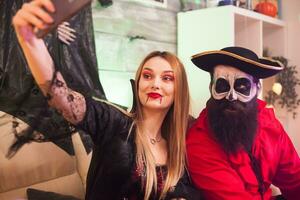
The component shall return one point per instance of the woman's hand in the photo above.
(31, 15)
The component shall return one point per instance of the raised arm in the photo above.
(35, 14)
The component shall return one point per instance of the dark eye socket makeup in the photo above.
(222, 85)
(241, 85)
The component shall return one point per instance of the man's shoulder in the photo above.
(267, 118)
(269, 126)
(199, 131)
(200, 121)
(200, 141)
(265, 111)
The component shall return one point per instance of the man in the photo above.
(237, 148)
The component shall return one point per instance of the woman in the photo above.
(140, 155)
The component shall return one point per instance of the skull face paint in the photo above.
(232, 84)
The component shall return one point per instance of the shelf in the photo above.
(255, 15)
(241, 12)
(219, 27)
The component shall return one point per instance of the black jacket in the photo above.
(114, 155)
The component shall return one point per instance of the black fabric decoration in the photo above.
(19, 94)
(105, 3)
(34, 194)
(133, 108)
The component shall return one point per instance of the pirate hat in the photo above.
(240, 58)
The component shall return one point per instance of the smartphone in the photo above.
(64, 10)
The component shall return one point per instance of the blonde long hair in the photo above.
(174, 128)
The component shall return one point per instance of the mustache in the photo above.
(228, 107)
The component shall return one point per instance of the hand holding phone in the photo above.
(64, 9)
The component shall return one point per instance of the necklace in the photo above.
(155, 140)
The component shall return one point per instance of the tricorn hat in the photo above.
(240, 58)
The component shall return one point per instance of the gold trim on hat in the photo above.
(243, 59)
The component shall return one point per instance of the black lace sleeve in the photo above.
(103, 120)
(98, 118)
(69, 103)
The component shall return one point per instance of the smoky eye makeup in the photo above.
(169, 76)
(146, 74)
(243, 86)
(222, 85)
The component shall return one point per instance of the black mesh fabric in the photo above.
(21, 97)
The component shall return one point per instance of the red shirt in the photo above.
(220, 176)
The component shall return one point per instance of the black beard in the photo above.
(234, 123)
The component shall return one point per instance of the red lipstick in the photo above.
(154, 95)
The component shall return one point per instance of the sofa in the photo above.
(43, 166)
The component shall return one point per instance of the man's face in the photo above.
(232, 84)
(232, 108)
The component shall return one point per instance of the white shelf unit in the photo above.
(219, 27)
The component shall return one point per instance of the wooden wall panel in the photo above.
(133, 19)
(172, 5)
(124, 34)
(118, 53)
(117, 86)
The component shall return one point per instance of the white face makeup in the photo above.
(232, 84)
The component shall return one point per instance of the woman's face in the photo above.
(156, 84)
